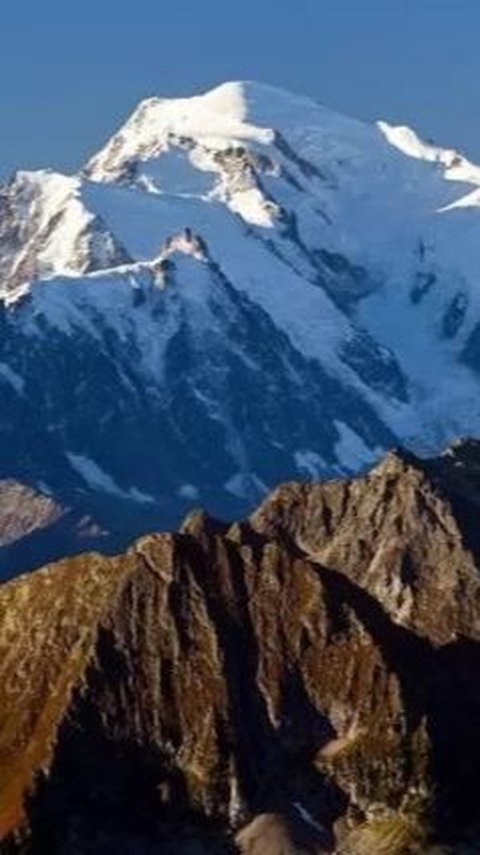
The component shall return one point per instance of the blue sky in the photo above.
(71, 70)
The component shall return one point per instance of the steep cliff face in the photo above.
(305, 679)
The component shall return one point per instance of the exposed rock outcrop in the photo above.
(305, 679)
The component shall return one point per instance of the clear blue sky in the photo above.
(71, 70)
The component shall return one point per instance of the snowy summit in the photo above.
(242, 287)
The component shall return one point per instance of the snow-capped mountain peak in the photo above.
(241, 287)
(229, 115)
(261, 152)
(47, 228)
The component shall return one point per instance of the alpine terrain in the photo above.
(303, 682)
(242, 287)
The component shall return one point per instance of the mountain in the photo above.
(241, 288)
(305, 679)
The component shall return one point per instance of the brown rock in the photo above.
(319, 660)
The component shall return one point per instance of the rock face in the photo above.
(305, 679)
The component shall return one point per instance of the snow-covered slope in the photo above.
(241, 287)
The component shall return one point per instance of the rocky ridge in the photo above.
(305, 679)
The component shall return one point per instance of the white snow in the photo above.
(140, 496)
(98, 479)
(308, 818)
(266, 179)
(245, 485)
(456, 167)
(11, 377)
(352, 452)
(47, 195)
(175, 173)
(188, 491)
(309, 463)
(217, 118)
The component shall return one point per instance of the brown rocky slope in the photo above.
(307, 679)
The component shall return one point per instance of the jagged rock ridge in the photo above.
(308, 675)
